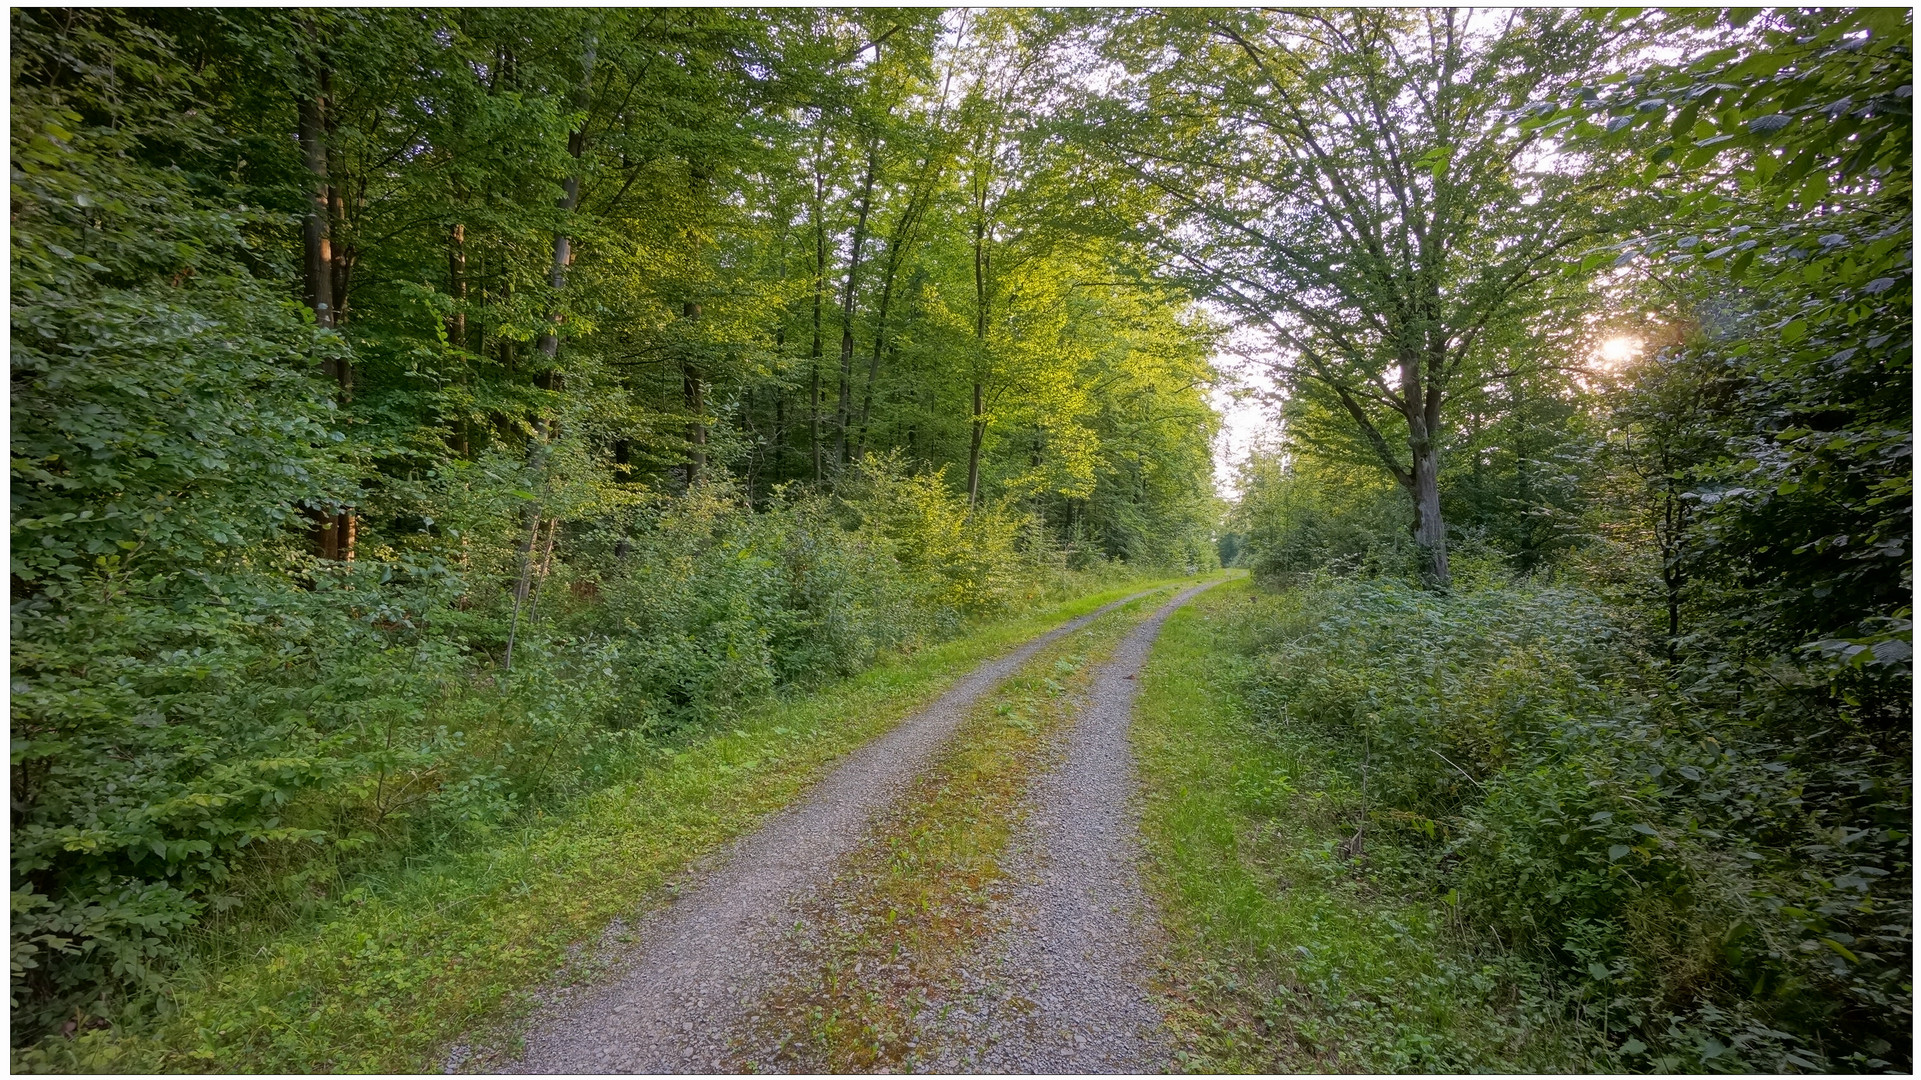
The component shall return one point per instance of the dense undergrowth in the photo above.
(377, 494)
(1285, 954)
(390, 957)
(1713, 883)
(285, 741)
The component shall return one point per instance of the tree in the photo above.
(1355, 184)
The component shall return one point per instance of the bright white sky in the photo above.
(1247, 403)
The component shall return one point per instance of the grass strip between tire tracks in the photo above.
(910, 907)
(405, 964)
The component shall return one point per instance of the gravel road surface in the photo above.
(1062, 986)
(672, 1002)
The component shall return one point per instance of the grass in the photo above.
(912, 905)
(1286, 955)
(392, 972)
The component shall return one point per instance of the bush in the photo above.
(1717, 896)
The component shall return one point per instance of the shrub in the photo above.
(1719, 896)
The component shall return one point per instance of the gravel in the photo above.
(1062, 987)
(672, 1001)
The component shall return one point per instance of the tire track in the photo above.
(1063, 984)
(702, 959)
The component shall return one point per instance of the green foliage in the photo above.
(1309, 516)
(1713, 893)
(551, 423)
(1287, 958)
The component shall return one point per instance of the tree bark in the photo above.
(457, 285)
(1430, 531)
(569, 201)
(317, 242)
(848, 293)
(974, 451)
(980, 339)
(333, 533)
(691, 393)
(457, 323)
(820, 285)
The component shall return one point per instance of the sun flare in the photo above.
(1616, 351)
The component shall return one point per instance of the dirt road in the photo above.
(673, 1001)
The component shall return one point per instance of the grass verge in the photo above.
(888, 939)
(386, 977)
(1285, 954)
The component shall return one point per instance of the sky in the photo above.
(1249, 407)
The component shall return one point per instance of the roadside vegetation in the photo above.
(424, 422)
(1291, 950)
(446, 948)
(1572, 730)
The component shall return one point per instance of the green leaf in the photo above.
(1842, 949)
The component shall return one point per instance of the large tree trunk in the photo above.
(1424, 487)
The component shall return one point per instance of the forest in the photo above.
(437, 433)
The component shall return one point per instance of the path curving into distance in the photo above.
(672, 1004)
(1064, 983)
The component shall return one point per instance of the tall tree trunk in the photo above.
(691, 393)
(317, 242)
(980, 340)
(849, 292)
(569, 200)
(820, 286)
(332, 532)
(1430, 531)
(563, 257)
(457, 324)
(779, 391)
(457, 285)
(974, 451)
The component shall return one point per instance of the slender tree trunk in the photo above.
(848, 294)
(980, 340)
(544, 431)
(820, 285)
(894, 248)
(522, 584)
(457, 324)
(692, 394)
(546, 567)
(974, 450)
(457, 285)
(569, 201)
(332, 533)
